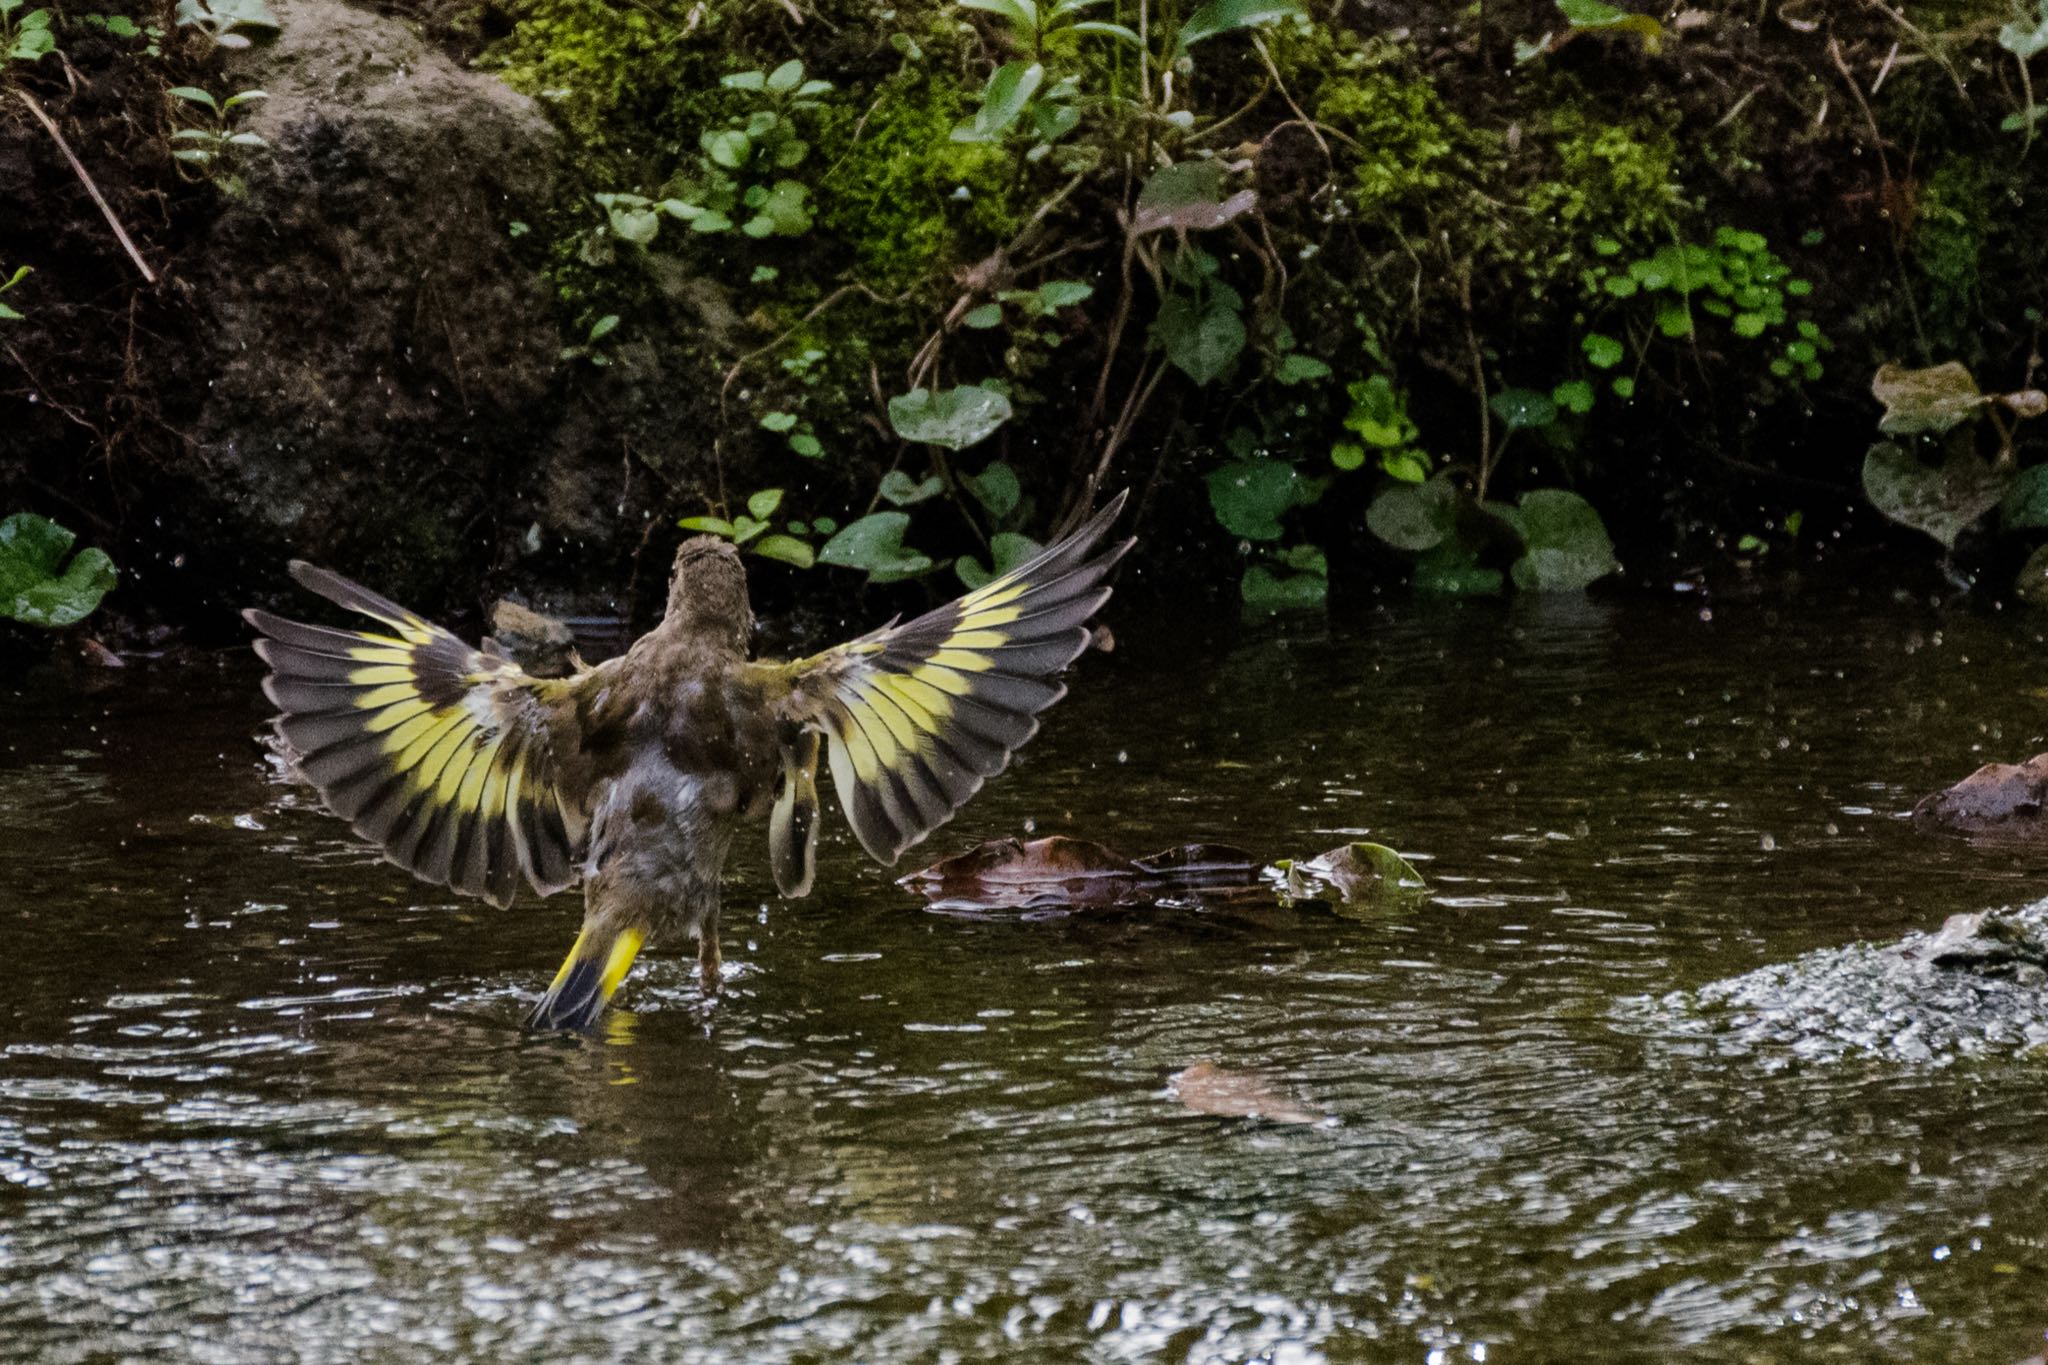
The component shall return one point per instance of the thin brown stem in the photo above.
(78, 169)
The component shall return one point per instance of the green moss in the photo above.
(623, 81)
(1608, 178)
(900, 193)
(1418, 163)
(1948, 246)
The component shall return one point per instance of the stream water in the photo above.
(263, 1097)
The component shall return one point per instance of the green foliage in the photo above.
(753, 531)
(875, 544)
(594, 337)
(1937, 411)
(1379, 419)
(1738, 283)
(121, 26)
(1200, 324)
(24, 37)
(904, 198)
(8, 313)
(1250, 496)
(1226, 16)
(1565, 545)
(230, 23)
(1007, 550)
(37, 588)
(1951, 249)
(953, 418)
(1592, 16)
(1414, 156)
(216, 150)
(745, 172)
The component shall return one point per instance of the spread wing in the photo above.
(440, 754)
(917, 716)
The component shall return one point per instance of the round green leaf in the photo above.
(1413, 516)
(1264, 590)
(875, 544)
(1249, 496)
(1567, 545)
(952, 418)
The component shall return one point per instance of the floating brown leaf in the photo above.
(1077, 873)
(1208, 1088)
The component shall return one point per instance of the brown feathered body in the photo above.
(634, 776)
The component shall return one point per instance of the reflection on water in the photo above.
(261, 1094)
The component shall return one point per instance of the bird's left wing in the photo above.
(442, 755)
(917, 716)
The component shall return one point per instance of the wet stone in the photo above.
(1976, 987)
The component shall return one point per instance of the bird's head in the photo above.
(707, 593)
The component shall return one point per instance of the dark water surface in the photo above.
(263, 1097)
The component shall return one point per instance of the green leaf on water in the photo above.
(1452, 569)
(1603, 352)
(37, 588)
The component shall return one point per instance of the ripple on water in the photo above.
(263, 1089)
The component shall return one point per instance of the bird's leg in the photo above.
(707, 956)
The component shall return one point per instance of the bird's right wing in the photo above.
(442, 755)
(917, 716)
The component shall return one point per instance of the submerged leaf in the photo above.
(1058, 872)
(1207, 1088)
(1264, 590)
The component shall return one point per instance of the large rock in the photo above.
(2004, 800)
(1977, 987)
(384, 389)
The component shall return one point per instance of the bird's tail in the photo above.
(591, 973)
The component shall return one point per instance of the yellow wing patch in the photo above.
(438, 753)
(916, 717)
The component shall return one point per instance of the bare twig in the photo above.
(1891, 197)
(94, 190)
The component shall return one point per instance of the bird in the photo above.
(633, 776)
